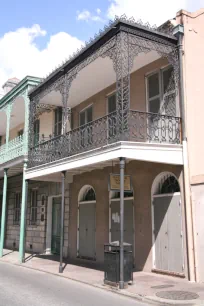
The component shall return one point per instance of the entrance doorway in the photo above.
(56, 221)
(128, 217)
(86, 223)
(167, 225)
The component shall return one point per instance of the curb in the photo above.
(153, 300)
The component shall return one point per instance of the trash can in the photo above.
(112, 263)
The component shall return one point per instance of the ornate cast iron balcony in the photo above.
(14, 149)
(139, 127)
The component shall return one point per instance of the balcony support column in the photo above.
(62, 224)
(122, 170)
(23, 217)
(122, 65)
(3, 216)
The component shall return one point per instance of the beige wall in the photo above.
(46, 124)
(143, 175)
(14, 132)
(137, 94)
(193, 73)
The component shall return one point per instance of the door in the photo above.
(168, 234)
(87, 228)
(86, 116)
(56, 218)
(128, 221)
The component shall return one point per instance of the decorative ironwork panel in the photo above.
(142, 127)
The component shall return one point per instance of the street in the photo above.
(20, 286)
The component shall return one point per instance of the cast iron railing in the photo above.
(140, 127)
(14, 149)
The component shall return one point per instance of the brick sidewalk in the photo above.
(144, 288)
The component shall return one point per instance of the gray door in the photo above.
(87, 230)
(128, 221)
(56, 217)
(168, 234)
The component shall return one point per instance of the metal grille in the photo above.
(177, 295)
(140, 127)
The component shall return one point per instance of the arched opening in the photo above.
(114, 217)
(86, 248)
(17, 120)
(168, 254)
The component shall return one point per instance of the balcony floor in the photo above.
(104, 156)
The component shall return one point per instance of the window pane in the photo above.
(82, 118)
(89, 114)
(154, 105)
(153, 85)
(166, 78)
(112, 103)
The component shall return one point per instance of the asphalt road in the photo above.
(20, 286)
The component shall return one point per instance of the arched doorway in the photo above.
(114, 219)
(86, 245)
(168, 254)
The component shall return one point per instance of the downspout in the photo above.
(179, 33)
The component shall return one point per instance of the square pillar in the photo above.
(3, 217)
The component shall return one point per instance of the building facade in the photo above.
(121, 106)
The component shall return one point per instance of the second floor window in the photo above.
(34, 207)
(0, 140)
(58, 121)
(159, 88)
(17, 208)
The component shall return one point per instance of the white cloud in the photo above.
(20, 56)
(86, 15)
(154, 12)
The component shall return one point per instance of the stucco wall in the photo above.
(137, 94)
(35, 234)
(143, 175)
(193, 74)
(198, 204)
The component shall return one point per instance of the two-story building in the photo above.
(125, 108)
(116, 110)
(14, 120)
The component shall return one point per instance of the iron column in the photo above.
(122, 167)
(62, 224)
(3, 217)
(23, 216)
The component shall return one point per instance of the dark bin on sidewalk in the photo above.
(112, 263)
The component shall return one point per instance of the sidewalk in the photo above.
(144, 288)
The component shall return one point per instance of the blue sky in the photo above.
(52, 15)
(36, 36)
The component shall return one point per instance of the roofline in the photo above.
(109, 31)
(28, 80)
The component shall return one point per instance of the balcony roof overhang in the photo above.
(103, 37)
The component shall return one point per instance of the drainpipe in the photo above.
(179, 33)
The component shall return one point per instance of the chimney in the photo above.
(10, 84)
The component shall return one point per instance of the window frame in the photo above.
(161, 94)
(58, 122)
(33, 209)
(17, 208)
(85, 110)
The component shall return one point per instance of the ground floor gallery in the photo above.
(154, 216)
